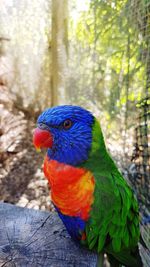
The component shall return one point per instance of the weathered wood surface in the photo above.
(33, 238)
(145, 253)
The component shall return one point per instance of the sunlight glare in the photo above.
(80, 6)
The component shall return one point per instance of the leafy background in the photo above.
(93, 53)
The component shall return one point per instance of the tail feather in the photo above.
(128, 258)
(114, 262)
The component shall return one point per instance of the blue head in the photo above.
(67, 133)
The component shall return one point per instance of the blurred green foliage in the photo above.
(110, 55)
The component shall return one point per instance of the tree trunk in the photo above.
(31, 238)
(59, 51)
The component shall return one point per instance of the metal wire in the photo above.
(141, 156)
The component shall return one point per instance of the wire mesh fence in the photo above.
(140, 174)
(140, 16)
(141, 156)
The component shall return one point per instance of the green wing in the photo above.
(113, 225)
(114, 220)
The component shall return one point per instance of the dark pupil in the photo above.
(67, 124)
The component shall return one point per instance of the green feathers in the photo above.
(113, 225)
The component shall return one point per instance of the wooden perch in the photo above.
(34, 238)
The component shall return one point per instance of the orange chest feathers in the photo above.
(71, 188)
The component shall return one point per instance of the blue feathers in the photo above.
(71, 146)
(56, 115)
(74, 225)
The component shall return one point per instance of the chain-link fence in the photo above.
(139, 20)
(141, 156)
(139, 174)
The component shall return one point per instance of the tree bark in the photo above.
(59, 51)
(33, 238)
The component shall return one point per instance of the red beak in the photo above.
(42, 138)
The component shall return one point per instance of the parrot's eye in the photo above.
(67, 124)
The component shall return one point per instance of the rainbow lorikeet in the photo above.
(93, 200)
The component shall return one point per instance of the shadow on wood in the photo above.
(33, 238)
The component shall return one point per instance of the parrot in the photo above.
(89, 193)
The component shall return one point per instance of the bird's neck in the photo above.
(98, 155)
